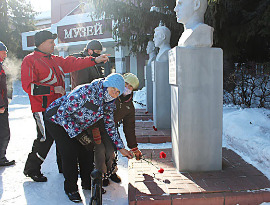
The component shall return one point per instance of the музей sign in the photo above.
(84, 31)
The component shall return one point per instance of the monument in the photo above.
(151, 51)
(196, 79)
(160, 78)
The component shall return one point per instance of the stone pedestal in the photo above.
(149, 88)
(161, 95)
(196, 78)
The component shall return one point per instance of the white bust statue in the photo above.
(162, 38)
(150, 50)
(191, 14)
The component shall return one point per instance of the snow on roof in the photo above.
(43, 15)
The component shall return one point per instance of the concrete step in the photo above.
(145, 130)
(141, 114)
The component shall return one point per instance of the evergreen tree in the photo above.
(241, 26)
(16, 17)
(135, 23)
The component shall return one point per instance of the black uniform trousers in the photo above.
(40, 149)
(4, 134)
(71, 150)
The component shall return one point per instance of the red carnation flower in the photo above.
(146, 112)
(161, 170)
(154, 128)
(162, 155)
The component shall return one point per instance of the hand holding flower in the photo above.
(137, 153)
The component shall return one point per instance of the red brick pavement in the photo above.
(237, 183)
(144, 129)
(141, 114)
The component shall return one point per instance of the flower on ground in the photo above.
(154, 128)
(161, 170)
(162, 155)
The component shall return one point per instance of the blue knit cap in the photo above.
(115, 80)
(3, 47)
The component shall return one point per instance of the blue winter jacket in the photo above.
(83, 107)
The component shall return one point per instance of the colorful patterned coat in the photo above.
(83, 107)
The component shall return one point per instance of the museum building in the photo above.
(75, 27)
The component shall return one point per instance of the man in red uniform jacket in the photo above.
(4, 124)
(42, 76)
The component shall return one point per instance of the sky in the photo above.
(245, 131)
(41, 5)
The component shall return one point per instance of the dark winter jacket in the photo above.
(86, 75)
(3, 88)
(82, 108)
(125, 111)
(42, 72)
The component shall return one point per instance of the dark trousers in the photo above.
(40, 149)
(72, 152)
(4, 134)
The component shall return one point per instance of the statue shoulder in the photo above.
(200, 36)
(163, 54)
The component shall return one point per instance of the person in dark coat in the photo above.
(87, 75)
(72, 119)
(4, 123)
(125, 112)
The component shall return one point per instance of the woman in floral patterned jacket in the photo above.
(72, 118)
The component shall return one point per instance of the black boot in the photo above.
(6, 162)
(74, 196)
(115, 178)
(36, 176)
(105, 182)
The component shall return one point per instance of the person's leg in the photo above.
(68, 149)
(40, 149)
(100, 158)
(86, 165)
(59, 161)
(109, 152)
(4, 139)
(110, 161)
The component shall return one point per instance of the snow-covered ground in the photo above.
(246, 131)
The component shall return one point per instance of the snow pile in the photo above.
(247, 132)
(139, 98)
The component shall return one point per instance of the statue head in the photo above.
(162, 36)
(150, 47)
(190, 10)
